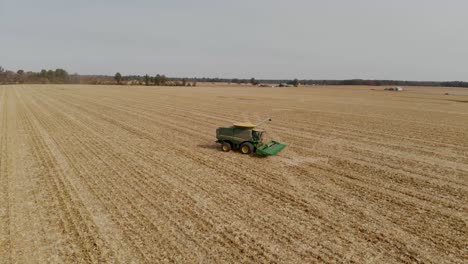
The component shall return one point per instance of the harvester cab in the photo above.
(247, 138)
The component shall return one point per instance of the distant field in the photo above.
(133, 175)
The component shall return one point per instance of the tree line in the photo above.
(296, 82)
(44, 76)
(386, 83)
(61, 76)
(158, 80)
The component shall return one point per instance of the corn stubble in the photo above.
(132, 175)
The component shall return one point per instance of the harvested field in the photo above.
(132, 175)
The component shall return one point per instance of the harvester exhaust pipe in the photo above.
(266, 120)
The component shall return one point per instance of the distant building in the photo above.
(397, 89)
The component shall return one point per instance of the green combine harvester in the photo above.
(247, 138)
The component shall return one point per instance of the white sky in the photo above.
(272, 39)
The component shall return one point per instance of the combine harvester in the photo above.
(247, 138)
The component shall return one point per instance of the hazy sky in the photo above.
(313, 39)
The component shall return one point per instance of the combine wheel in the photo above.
(246, 148)
(226, 147)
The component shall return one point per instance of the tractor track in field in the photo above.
(132, 175)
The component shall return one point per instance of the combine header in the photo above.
(247, 138)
